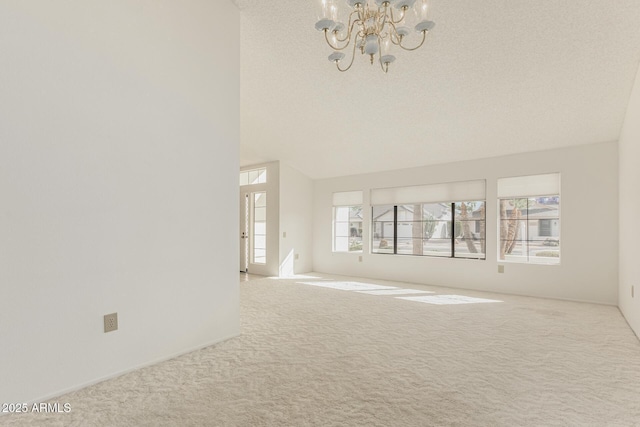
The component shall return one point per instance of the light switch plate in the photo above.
(501, 269)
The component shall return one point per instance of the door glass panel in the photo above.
(259, 228)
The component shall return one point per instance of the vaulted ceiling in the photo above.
(496, 77)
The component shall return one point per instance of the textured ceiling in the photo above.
(496, 77)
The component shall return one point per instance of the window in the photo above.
(383, 229)
(347, 226)
(470, 216)
(434, 227)
(259, 248)
(529, 226)
(254, 176)
(426, 229)
(347, 221)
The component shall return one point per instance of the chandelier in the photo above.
(373, 27)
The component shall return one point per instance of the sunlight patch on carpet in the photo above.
(394, 292)
(449, 299)
(347, 286)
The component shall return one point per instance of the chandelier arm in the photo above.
(402, 15)
(393, 34)
(395, 38)
(350, 33)
(349, 27)
(353, 56)
(326, 37)
(384, 19)
(383, 13)
(424, 37)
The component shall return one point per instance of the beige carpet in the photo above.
(340, 353)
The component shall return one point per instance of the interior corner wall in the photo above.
(119, 139)
(589, 235)
(629, 147)
(296, 221)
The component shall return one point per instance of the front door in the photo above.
(244, 232)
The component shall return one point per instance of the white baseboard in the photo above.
(126, 371)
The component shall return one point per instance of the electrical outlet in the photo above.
(297, 256)
(284, 234)
(360, 258)
(501, 269)
(110, 322)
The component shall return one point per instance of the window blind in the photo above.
(431, 193)
(347, 198)
(526, 186)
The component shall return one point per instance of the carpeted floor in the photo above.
(337, 352)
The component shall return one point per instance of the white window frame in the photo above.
(530, 187)
(346, 200)
(253, 176)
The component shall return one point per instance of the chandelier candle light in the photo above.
(373, 27)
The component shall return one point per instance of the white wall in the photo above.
(589, 203)
(272, 188)
(296, 220)
(119, 132)
(629, 208)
